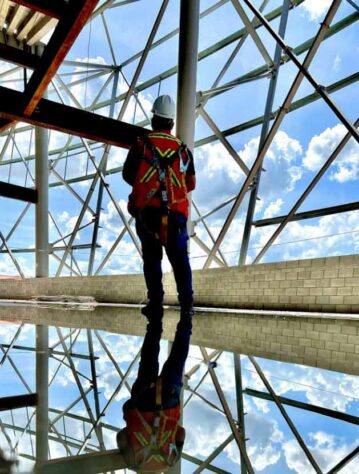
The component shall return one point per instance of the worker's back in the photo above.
(153, 439)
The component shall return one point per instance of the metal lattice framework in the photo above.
(122, 90)
(85, 438)
(95, 105)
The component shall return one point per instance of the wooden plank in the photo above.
(17, 16)
(40, 29)
(69, 120)
(4, 9)
(20, 193)
(53, 8)
(19, 57)
(31, 21)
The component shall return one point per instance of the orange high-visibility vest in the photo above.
(152, 435)
(172, 160)
(154, 448)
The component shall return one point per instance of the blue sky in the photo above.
(305, 139)
(271, 445)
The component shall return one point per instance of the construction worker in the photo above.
(153, 439)
(160, 170)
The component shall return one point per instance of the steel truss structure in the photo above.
(119, 91)
(76, 234)
(86, 450)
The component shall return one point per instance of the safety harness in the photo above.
(161, 179)
(153, 435)
(166, 177)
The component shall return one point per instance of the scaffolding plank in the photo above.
(40, 29)
(4, 9)
(17, 16)
(53, 8)
(30, 22)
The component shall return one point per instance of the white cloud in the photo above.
(273, 208)
(222, 177)
(337, 62)
(320, 387)
(315, 9)
(7, 267)
(345, 167)
(86, 91)
(327, 450)
(68, 222)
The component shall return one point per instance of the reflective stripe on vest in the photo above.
(174, 161)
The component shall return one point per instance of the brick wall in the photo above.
(325, 284)
(325, 341)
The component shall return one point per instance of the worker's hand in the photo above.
(132, 209)
(122, 440)
(180, 436)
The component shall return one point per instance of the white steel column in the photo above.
(186, 88)
(42, 206)
(187, 73)
(42, 270)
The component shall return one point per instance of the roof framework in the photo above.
(120, 86)
(122, 89)
(81, 431)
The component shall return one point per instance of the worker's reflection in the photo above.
(153, 438)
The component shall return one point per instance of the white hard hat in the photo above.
(165, 107)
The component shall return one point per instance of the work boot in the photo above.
(152, 311)
(187, 312)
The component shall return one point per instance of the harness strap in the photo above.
(183, 166)
(159, 394)
(162, 165)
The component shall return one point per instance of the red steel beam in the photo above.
(69, 27)
(75, 16)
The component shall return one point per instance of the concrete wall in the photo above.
(325, 284)
(325, 341)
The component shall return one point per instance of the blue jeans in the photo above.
(172, 371)
(148, 227)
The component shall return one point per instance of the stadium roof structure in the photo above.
(263, 105)
(267, 98)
